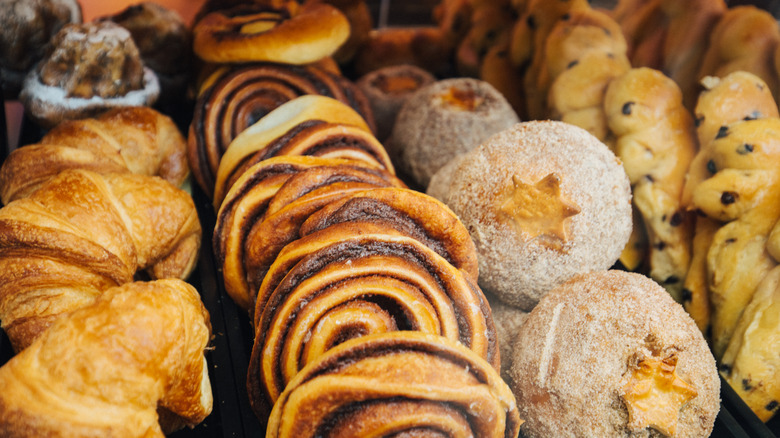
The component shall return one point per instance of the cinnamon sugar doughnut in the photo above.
(90, 68)
(291, 34)
(443, 120)
(611, 354)
(543, 201)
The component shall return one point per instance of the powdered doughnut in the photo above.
(388, 88)
(443, 120)
(543, 201)
(508, 320)
(291, 34)
(91, 67)
(611, 354)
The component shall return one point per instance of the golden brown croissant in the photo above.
(131, 139)
(83, 232)
(403, 384)
(105, 369)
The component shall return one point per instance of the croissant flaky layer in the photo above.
(132, 139)
(83, 232)
(399, 384)
(105, 369)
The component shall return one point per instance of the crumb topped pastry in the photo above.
(611, 354)
(89, 68)
(543, 201)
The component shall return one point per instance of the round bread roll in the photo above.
(611, 354)
(443, 120)
(388, 88)
(543, 201)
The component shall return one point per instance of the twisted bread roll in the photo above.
(405, 383)
(307, 125)
(656, 142)
(67, 383)
(81, 233)
(744, 39)
(236, 97)
(255, 202)
(133, 139)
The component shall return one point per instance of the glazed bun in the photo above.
(612, 354)
(543, 201)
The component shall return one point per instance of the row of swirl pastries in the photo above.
(704, 179)
(333, 257)
(92, 206)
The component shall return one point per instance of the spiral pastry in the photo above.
(236, 97)
(308, 125)
(349, 280)
(263, 190)
(405, 384)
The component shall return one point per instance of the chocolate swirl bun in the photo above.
(236, 97)
(404, 384)
(89, 69)
(351, 279)
(259, 199)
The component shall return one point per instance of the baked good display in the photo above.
(651, 372)
(543, 201)
(81, 233)
(490, 23)
(401, 383)
(154, 335)
(387, 89)
(130, 139)
(26, 28)
(286, 32)
(164, 42)
(656, 141)
(443, 120)
(234, 98)
(89, 68)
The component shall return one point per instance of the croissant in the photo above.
(66, 383)
(255, 202)
(81, 233)
(404, 383)
(234, 98)
(130, 139)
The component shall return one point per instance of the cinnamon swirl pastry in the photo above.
(236, 97)
(404, 384)
(259, 199)
(308, 125)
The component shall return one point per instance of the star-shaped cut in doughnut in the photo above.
(539, 209)
(655, 394)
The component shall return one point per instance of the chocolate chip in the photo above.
(722, 132)
(711, 167)
(728, 198)
(677, 219)
(649, 178)
(687, 295)
(731, 240)
(745, 149)
(746, 385)
(672, 279)
(753, 116)
(573, 63)
(606, 31)
(771, 406)
(698, 121)
(627, 108)
(660, 245)
(565, 17)
(725, 369)
(531, 22)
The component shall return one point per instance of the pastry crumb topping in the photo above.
(655, 394)
(539, 209)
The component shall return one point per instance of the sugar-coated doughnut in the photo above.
(543, 201)
(611, 354)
